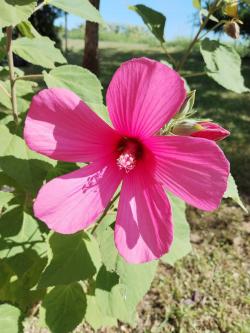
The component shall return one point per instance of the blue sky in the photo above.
(179, 15)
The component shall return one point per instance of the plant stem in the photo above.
(196, 38)
(195, 74)
(9, 31)
(212, 29)
(45, 2)
(105, 212)
(171, 59)
(30, 77)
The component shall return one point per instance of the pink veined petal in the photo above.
(211, 131)
(194, 169)
(61, 126)
(143, 229)
(143, 96)
(72, 202)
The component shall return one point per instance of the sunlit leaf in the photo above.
(181, 244)
(39, 51)
(5, 98)
(5, 197)
(82, 82)
(205, 12)
(27, 30)
(111, 297)
(82, 8)
(95, 317)
(232, 192)
(22, 88)
(9, 318)
(14, 11)
(223, 64)
(134, 280)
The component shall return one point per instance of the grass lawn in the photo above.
(208, 291)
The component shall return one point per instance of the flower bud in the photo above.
(232, 29)
(201, 129)
(186, 127)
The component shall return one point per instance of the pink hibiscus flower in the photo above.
(142, 97)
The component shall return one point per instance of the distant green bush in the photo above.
(117, 32)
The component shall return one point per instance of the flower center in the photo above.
(130, 151)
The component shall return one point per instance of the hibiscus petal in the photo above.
(143, 229)
(61, 126)
(143, 96)
(72, 202)
(194, 169)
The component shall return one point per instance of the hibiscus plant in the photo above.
(92, 197)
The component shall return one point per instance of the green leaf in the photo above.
(197, 4)
(70, 262)
(61, 168)
(5, 197)
(26, 167)
(95, 317)
(14, 11)
(181, 244)
(105, 237)
(205, 13)
(11, 221)
(5, 98)
(82, 8)
(94, 250)
(111, 297)
(82, 82)
(134, 280)
(27, 30)
(154, 20)
(9, 317)
(65, 308)
(3, 40)
(25, 87)
(232, 192)
(18, 276)
(38, 51)
(187, 106)
(22, 88)
(19, 231)
(223, 64)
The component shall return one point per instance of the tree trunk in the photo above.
(90, 58)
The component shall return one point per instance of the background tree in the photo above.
(90, 57)
(44, 22)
